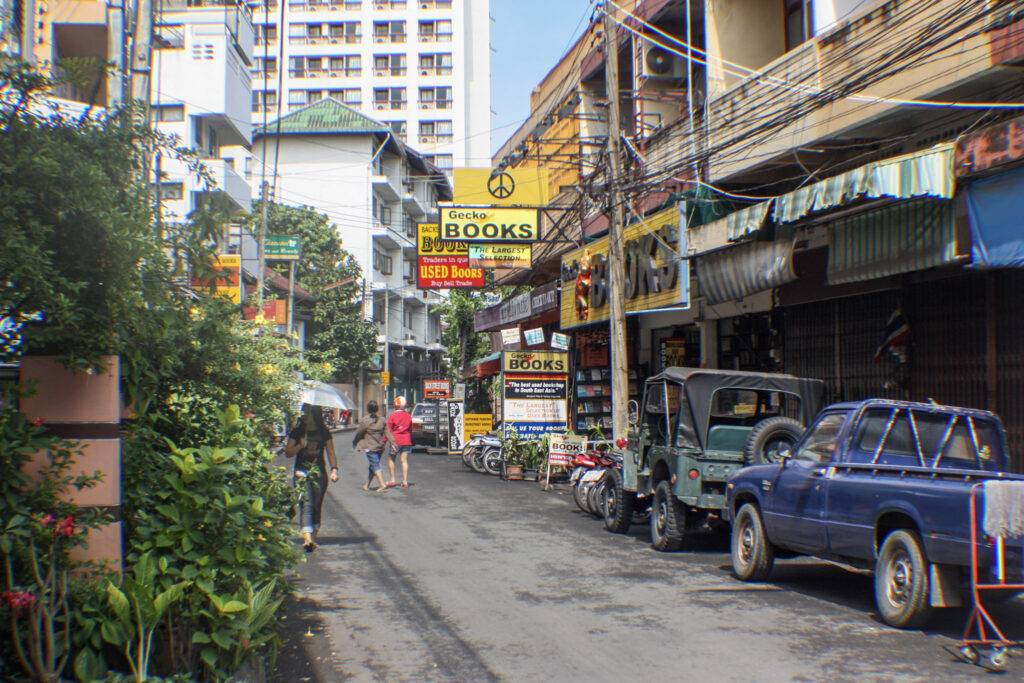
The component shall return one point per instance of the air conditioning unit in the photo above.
(425, 72)
(381, 107)
(426, 138)
(660, 63)
(424, 5)
(378, 74)
(312, 41)
(382, 39)
(334, 41)
(335, 74)
(425, 105)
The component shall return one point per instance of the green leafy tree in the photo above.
(338, 335)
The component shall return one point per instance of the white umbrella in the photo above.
(320, 394)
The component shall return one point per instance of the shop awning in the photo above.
(900, 238)
(488, 366)
(731, 274)
(926, 173)
(996, 220)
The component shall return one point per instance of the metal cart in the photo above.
(983, 642)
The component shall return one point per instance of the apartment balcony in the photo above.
(393, 105)
(387, 236)
(968, 65)
(385, 186)
(436, 105)
(323, 7)
(414, 203)
(232, 184)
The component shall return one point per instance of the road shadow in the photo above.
(299, 651)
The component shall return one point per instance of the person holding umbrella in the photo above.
(307, 443)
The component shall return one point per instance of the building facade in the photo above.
(420, 66)
(375, 189)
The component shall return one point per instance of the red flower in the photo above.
(38, 422)
(21, 602)
(47, 519)
(65, 527)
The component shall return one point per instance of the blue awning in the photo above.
(996, 220)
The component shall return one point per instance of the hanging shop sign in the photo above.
(535, 361)
(501, 255)
(489, 224)
(281, 248)
(523, 186)
(436, 388)
(443, 265)
(534, 336)
(559, 341)
(510, 336)
(655, 276)
(456, 426)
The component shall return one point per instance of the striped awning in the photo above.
(900, 238)
(733, 273)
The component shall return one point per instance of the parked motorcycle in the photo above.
(480, 449)
(587, 475)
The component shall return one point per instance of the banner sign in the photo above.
(534, 336)
(476, 423)
(523, 186)
(436, 388)
(510, 336)
(554, 362)
(501, 255)
(443, 265)
(489, 224)
(564, 448)
(456, 427)
(559, 341)
(227, 279)
(525, 386)
(281, 248)
(656, 277)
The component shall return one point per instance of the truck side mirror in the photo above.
(634, 412)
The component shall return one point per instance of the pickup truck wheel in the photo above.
(901, 580)
(752, 554)
(668, 519)
(618, 503)
(768, 437)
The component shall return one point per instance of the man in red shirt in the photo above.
(399, 435)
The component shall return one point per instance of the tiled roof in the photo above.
(326, 116)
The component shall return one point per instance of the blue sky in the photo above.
(527, 39)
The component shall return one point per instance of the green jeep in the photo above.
(692, 430)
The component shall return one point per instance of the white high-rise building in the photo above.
(420, 66)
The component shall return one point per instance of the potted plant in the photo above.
(513, 453)
(534, 453)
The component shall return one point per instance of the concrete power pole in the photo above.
(142, 53)
(260, 240)
(616, 268)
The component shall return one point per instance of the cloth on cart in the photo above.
(1004, 508)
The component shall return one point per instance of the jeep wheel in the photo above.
(618, 503)
(768, 438)
(668, 519)
(901, 580)
(752, 554)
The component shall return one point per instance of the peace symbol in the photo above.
(501, 185)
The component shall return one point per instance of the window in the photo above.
(296, 31)
(348, 32)
(389, 31)
(167, 113)
(172, 192)
(346, 65)
(314, 63)
(398, 128)
(797, 19)
(439, 30)
(408, 317)
(266, 34)
(314, 31)
(389, 65)
(352, 96)
(266, 67)
(297, 67)
(445, 162)
(820, 442)
(385, 216)
(385, 98)
(381, 262)
(436, 98)
(436, 64)
(262, 99)
(296, 97)
(441, 131)
(315, 96)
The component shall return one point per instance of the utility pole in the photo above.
(142, 57)
(261, 258)
(616, 269)
(28, 31)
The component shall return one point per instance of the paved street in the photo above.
(463, 577)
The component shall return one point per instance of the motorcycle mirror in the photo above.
(634, 412)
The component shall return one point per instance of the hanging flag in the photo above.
(897, 331)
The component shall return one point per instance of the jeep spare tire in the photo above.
(768, 437)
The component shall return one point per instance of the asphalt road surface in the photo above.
(464, 577)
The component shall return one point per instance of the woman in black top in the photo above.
(307, 443)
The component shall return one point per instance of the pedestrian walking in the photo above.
(307, 443)
(399, 435)
(370, 438)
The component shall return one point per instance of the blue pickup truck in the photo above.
(876, 484)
